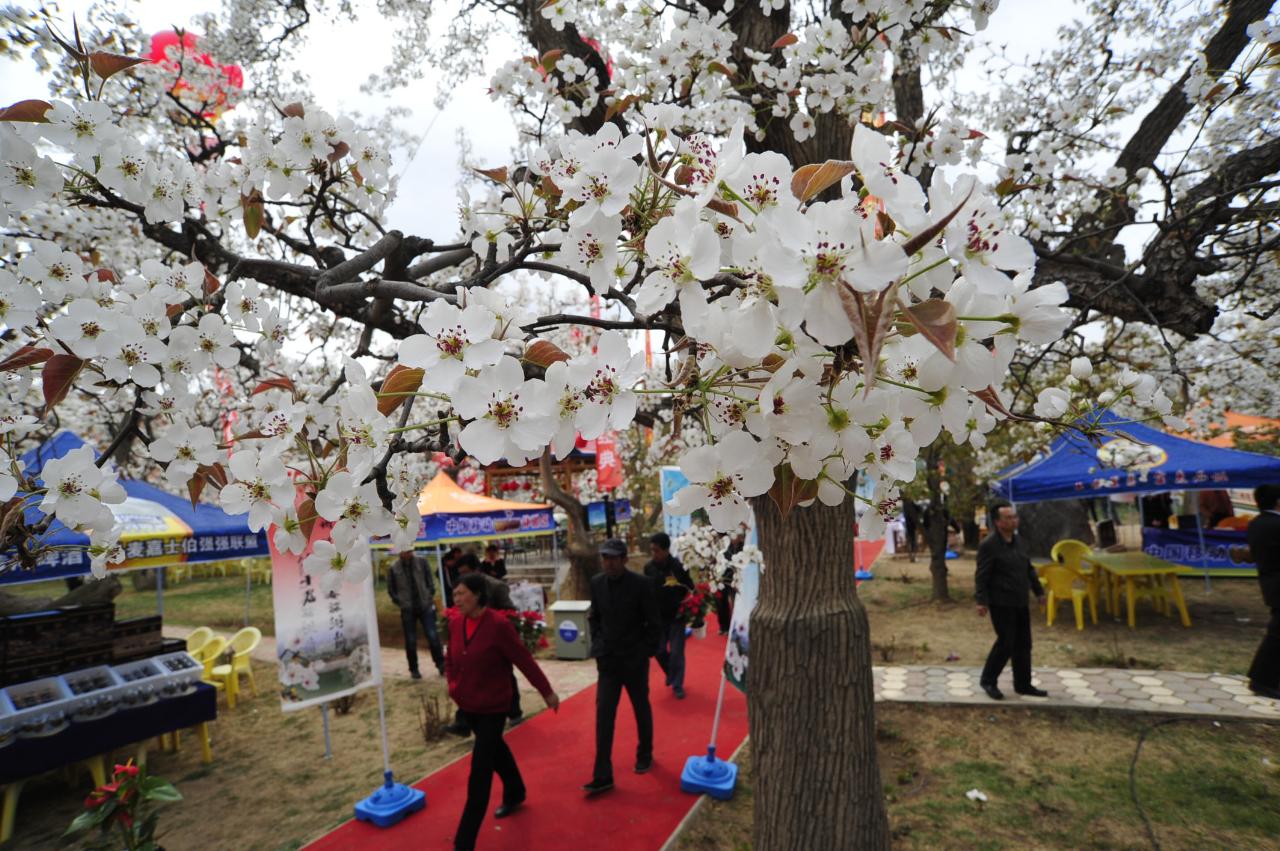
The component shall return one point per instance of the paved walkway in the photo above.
(1176, 692)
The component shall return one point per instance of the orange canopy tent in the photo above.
(453, 515)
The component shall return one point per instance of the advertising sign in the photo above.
(327, 641)
(608, 464)
(1226, 552)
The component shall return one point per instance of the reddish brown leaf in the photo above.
(930, 233)
(251, 206)
(173, 310)
(619, 106)
(25, 356)
(723, 207)
(991, 399)
(871, 322)
(59, 373)
(789, 490)
(1009, 186)
(106, 64)
(277, 382)
(206, 474)
(339, 151)
(550, 58)
(498, 174)
(211, 283)
(294, 110)
(252, 434)
(976, 134)
(26, 110)
(307, 516)
(544, 353)
(813, 179)
(195, 487)
(719, 68)
(786, 41)
(402, 380)
(936, 320)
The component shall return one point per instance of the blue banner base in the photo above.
(708, 775)
(391, 803)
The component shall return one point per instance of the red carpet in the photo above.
(555, 754)
(866, 553)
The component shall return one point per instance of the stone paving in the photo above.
(1176, 692)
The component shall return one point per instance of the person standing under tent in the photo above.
(673, 584)
(483, 648)
(625, 629)
(449, 566)
(411, 589)
(1003, 581)
(1264, 546)
(724, 600)
(493, 565)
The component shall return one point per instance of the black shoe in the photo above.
(1032, 691)
(679, 693)
(595, 787)
(1265, 691)
(507, 809)
(458, 729)
(993, 692)
(417, 675)
(643, 764)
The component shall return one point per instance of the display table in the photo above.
(1124, 568)
(84, 740)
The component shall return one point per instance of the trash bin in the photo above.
(573, 635)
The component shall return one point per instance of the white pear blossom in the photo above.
(454, 341)
(721, 480)
(260, 487)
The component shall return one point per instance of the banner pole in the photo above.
(715, 722)
(1204, 554)
(444, 600)
(248, 590)
(160, 591)
(382, 725)
(328, 744)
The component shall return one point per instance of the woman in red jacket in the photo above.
(483, 646)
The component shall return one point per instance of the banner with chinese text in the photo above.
(326, 641)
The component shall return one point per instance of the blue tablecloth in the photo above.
(29, 757)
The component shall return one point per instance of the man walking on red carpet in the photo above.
(625, 629)
(672, 583)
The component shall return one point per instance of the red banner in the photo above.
(608, 465)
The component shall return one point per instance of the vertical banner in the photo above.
(326, 641)
(670, 481)
(608, 464)
(735, 652)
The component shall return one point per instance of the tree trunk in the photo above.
(811, 699)
(584, 560)
(935, 535)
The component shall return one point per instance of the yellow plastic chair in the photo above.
(198, 638)
(1072, 554)
(243, 643)
(208, 655)
(1065, 584)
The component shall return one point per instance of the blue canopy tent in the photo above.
(158, 528)
(1136, 459)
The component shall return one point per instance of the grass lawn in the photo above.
(1054, 780)
(907, 628)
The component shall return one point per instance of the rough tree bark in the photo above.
(580, 550)
(817, 780)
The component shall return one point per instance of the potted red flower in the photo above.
(694, 607)
(124, 810)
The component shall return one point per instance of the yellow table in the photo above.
(1128, 566)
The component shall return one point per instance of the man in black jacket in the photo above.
(672, 583)
(1264, 545)
(1004, 579)
(411, 589)
(624, 633)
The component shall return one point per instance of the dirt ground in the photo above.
(907, 628)
(1053, 780)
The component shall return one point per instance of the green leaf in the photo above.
(159, 789)
(252, 207)
(86, 820)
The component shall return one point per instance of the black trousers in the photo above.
(724, 608)
(489, 755)
(1265, 670)
(409, 619)
(615, 675)
(1013, 641)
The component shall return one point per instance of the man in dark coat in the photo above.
(673, 583)
(1264, 545)
(1002, 584)
(409, 583)
(625, 628)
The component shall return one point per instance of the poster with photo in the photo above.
(326, 639)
